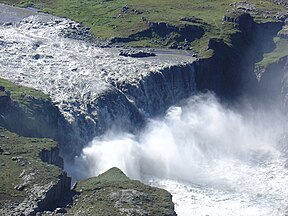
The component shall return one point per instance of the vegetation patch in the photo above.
(279, 52)
(123, 18)
(21, 167)
(20, 93)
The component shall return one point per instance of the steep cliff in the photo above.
(52, 157)
(230, 72)
(28, 185)
(28, 112)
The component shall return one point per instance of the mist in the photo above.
(188, 142)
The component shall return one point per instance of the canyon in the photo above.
(90, 90)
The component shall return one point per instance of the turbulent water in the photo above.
(35, 52)
(214, 160)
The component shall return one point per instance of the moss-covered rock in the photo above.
(28, 112)
(113, 193)
(27, 184)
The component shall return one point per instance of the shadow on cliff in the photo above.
(230, 72)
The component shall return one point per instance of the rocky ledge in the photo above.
(28, 185)
(113, 193)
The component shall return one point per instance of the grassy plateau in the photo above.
(121, 18)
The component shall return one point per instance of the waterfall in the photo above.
(214, 159)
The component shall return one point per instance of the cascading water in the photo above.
(214, 160)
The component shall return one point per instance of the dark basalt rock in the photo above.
(246, 7)
(186, 32)
(4, 98)
(230, 71)
(52, 157)
(164, 31)
(127, 9)
(192, 20)
(78, 32)
(36, 57)
(243, 22)
(283, 33)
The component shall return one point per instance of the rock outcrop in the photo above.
(4, 98)
(281, 2)
(230, 71)
(113, 193)
(52, 157)
(247, 7)
(42, 198)
(28, 184)
(30, 116)
(166, 32)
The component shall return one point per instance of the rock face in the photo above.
(230, 71)
(165, 31)
(276, 76)
(52, 157)
(41, 198)
(280, 2)
(38, 119)
(28, 184)
(113, 193)
(246, 7)
(4, 98)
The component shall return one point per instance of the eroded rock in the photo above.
(113, 193)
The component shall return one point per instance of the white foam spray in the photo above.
(214, 160)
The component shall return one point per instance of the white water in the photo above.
(70, 71)
(214, 161)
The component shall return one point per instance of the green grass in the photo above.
(280, 51)
(18, 92)
(28, 99)
(28, 149)
(107, 20)
(113, 175)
